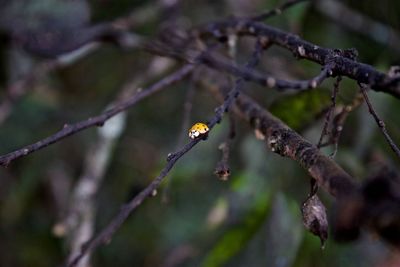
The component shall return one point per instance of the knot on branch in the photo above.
(307, 154)
(277, 142)
(333, 60)
(287, 143)
(350, 53)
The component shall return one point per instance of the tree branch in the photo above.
(218, 63)
(99, 120)
(107, 233)
(286, 142)
(276, 11)
(379, 122)
(343, 62)
(357, 205)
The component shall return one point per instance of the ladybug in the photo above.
(199, 130)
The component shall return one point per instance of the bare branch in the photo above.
(70, 129)
(276, 11)
(187, 110)
(80, 220)
(379, 122)
(338, 122)
(264, 79)
(222, 170)
(106, 234)
(340, 119)
(286, 142)
(330, 111)
(354, 207)
(343, 63)
(359, 23)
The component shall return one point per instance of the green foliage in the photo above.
(236, 237)
(300, 109)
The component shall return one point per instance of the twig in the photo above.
(379, 122)
(354, 207)
(330, 111)
(70, 129)
(140, 15)
(342, 64)
(80, 220)
(106, 234)
(264, 79)
(276, 11)
(339, 120)
(286, 142)
(234, 93)
(222, 170)
(187, 110)
(359, 23)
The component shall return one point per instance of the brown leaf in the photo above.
(314, 218)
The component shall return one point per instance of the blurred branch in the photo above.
(106, 234)
(276, 11)
(264, 79)
(20, 87)
(222, 170)
(357, 22)
(70, 129)
(80, 220)
(375, 204)
(140, 15)
(286, 142)
(187, 110)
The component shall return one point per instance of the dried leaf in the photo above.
(314, 218)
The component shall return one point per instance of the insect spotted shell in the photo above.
(198, 130)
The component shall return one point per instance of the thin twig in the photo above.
(106, 234)
(187, 110)
(286, 142)
(80, 220)
(222, 170)
(355, 21)
(339, 120)
(70, 129)
(276, 11)
(235, 92)
(342, 64)
(379, 122)
(330, 111)
(264, 79)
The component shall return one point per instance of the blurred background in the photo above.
(195, 219)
